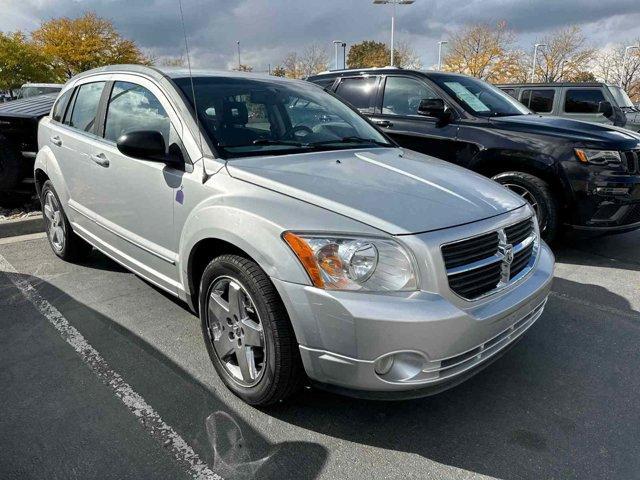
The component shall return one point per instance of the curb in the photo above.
(21, 226)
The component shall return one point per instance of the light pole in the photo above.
(535, 54)
(440, 43)
(239, 63)
(624, 61)
(337, 44)
(393, 17)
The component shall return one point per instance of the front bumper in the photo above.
(342, 334)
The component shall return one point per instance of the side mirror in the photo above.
(144, 145)
(432, 107)
(605, 108)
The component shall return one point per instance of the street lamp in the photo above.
(440, 43)
(393, 16)
(624, 61)
(239, 64)
(535, 54)
(337, 44)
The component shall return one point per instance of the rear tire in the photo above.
(11, 168)
(259, 330)
(62, 239)
(538, 194)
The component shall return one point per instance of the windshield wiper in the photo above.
(267, 141)
(352, 139)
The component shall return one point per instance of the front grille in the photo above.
(479, 265)
(632, 160)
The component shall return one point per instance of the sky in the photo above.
(268, 29)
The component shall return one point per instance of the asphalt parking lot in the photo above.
(104, 376)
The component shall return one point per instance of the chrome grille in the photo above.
(485, 263)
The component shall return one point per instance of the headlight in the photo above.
(348, 263)
(598, 157)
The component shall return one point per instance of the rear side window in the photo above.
(583, 100)
(85, 106)
(402, 96)
(61, 106)
(359, 92)
(540, 101)
(133, 107)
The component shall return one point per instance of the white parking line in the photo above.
(147, 416)
(22, 238)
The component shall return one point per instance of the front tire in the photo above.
(538, 194)
(62, 239)
(247, 331)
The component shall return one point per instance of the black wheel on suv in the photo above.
(62, 239)
(538, 193)
(11, 168)
(247, 331)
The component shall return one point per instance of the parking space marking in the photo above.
(146, 415)
(22, 238)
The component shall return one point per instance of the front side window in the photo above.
(478, 97)
(133, 107)
(359, 92)
(244, 117)
(61, 105)
(85, 106)
(402, 96)
(583, 100)
(540, 101)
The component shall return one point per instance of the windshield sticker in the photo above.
(467, 97)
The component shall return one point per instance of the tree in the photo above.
(564, 56)
(172, 62)
(314, 59)
(481, 50)
(406, 57)
(608, 67)
(22, 62)
(76, 45)
(279, 71)
(368, 53)
(243, 68)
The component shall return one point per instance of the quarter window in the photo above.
(540, 101)
(133, 107)
(85, 106)
(359, 92)
(402, 96)
(61, 106)
(583, 100)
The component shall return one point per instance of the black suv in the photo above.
(573, 173)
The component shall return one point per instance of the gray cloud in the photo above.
(268, 29)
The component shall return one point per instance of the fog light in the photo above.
(383, 365)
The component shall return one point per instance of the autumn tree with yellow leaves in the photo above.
(74, 45)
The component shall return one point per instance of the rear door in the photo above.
(583, 103)
(397, 115)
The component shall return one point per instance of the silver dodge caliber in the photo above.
(309, 244)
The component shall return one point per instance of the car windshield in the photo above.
(478, 97)
(253, 116)
(621, 97)
(28, 92)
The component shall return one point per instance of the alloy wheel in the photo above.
(235, 331)
(54, 221)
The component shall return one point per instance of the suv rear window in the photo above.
(359, 92)
(583, 100)
(540, 101)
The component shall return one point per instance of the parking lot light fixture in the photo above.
(535, 54)
(624, 62)
(393, 18)
(440, 43)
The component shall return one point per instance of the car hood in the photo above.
(393, 190)
(593, 134)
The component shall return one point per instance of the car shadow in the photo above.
(229, 445)
(561, 404)
(610, 251)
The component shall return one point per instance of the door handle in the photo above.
(384, 123)
(100, 159)
(56, 141)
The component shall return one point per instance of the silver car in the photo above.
(310, 245)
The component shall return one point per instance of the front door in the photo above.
(398, 117)
(584, 104)
(134, 198)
